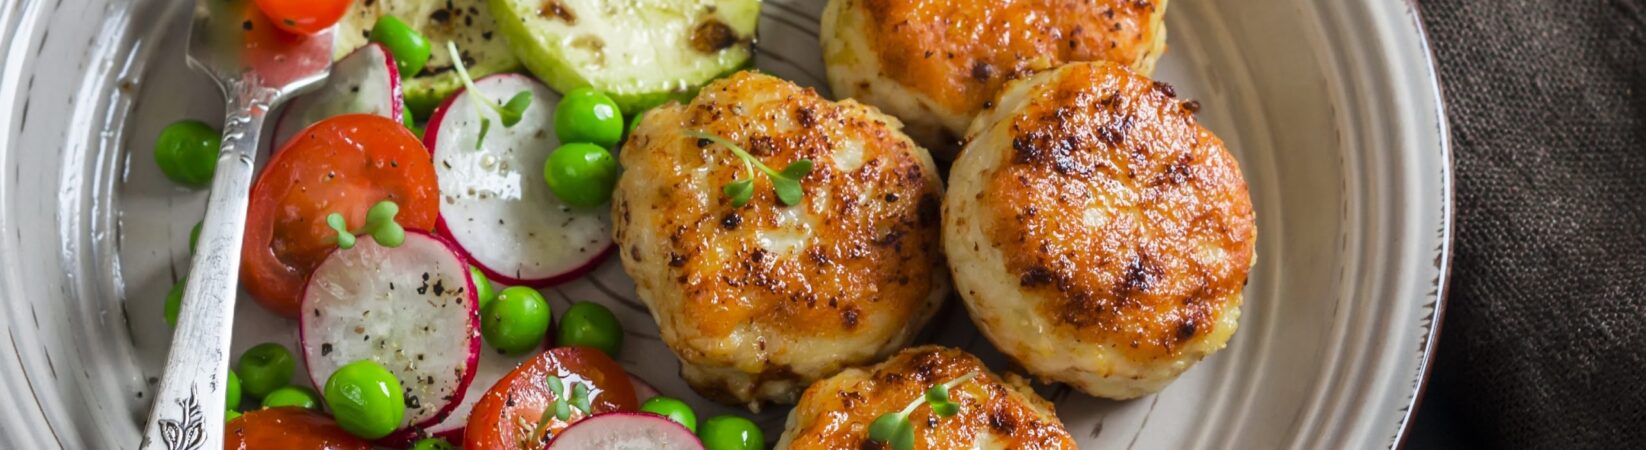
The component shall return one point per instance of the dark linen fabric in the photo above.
(1544, 340)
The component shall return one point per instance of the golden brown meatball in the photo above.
(938, 63)
(994, 413)
(1099, 235)
(761, 300)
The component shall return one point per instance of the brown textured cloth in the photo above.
(1544, 344)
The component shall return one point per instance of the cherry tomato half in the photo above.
(345, 165)
(506, 417)
(288, 428)
(304, 16)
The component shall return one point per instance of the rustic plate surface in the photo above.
(1331, 107)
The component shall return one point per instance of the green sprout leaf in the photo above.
(562, 410)
(559, 406)
(381, 214)
(580, 397)
(945, 409)
(345, 239)
(904, 439)
(894, 428)
(740, 191)
(788, 191)
(515, 108)
(937, 394)
(786, 183)
(555, 385)
(885, 427)
(485, 127)
(510, 112)
(390, 236)
(379, 224)
(798, 169)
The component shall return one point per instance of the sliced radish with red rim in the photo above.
(410, 308)
(626, 431)
(366, 81)
(494, 202)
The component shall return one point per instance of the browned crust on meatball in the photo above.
(873, 256)
(1177, 233)
(960, 52)
(842, 411)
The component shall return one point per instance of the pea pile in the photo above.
(582, 172)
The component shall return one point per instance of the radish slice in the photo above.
(410, 308)
(626, 431)
(366, 81)
(494, 201)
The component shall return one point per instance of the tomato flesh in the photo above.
(304, 16)
(506, 417)
(343, 165)
(288, 428)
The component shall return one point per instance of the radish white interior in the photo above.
(410, 308)
(366, 81)
(626, 431)
(494, 201)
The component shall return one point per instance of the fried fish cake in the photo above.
(937, 63)
(994, 413)
(758, 301)
(1098, 234)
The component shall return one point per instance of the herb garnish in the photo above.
(894, 428)
(785, 182)
(380, 225)
(564, 402)
(510, 111)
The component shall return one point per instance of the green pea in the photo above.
(410, 123)
(433, 444)
(411, 50)
(582, 175)
(482, 287)
(633, 123)
(266, 367)
(586, 115)
(230, 415)
(591, 325)
(187, 152)
(672, 408)
(516, 321)
(292, 395)
(194, 236)
(174, 300)
(366, 399)
(731, 433)
(231, 396)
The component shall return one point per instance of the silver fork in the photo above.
(256, 66)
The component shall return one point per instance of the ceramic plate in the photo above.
(1331, 107)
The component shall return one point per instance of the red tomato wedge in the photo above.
(288, 428)
(345, 165)
(506, 417)
(303, 16)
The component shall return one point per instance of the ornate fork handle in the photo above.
(188, 410)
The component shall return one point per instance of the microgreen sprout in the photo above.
(894, 428)
(565, 400)
(785, 182)
(510, 112)
(379, 224)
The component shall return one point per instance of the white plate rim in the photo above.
(21, 32)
